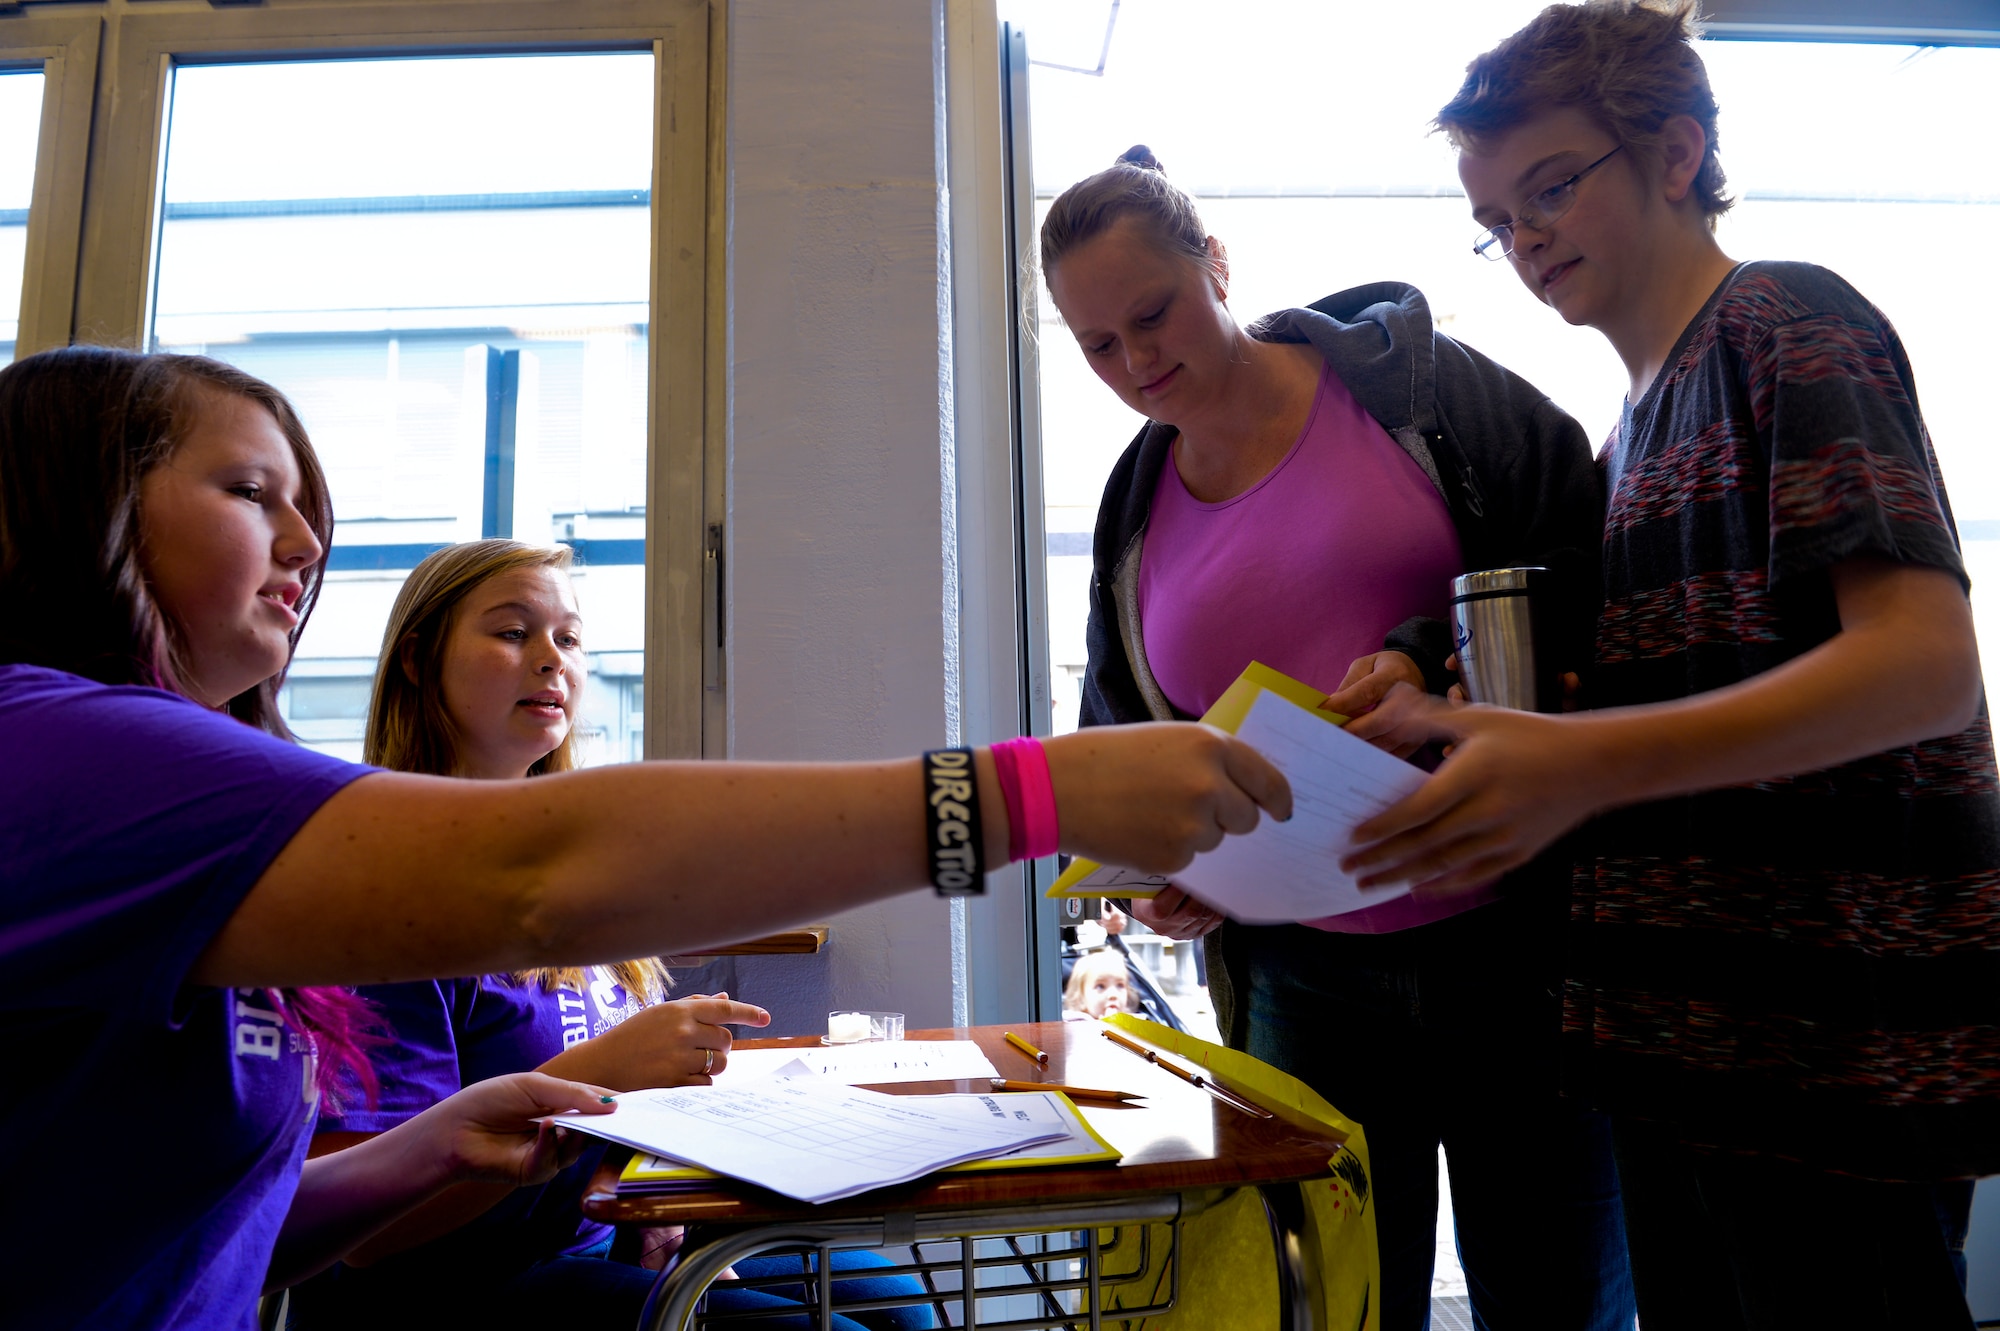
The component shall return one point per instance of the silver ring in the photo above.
(707, 1061)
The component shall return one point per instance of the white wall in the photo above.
(838, 631)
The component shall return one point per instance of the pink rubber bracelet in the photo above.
(1023, 769)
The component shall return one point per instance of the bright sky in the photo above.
(20, 126)
(1312, 93)
(334, 128)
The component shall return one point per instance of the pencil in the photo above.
(1027, 1048)
(1073, 1092)
(1221, 1093)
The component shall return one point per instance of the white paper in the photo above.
(1043, 1108)
(805, 1139)
(869, 1063)
(1110, 880)
(1284, 872)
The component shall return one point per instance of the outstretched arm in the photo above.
(399, 877)
(1904, 667)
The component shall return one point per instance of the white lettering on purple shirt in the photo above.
(257, 1037)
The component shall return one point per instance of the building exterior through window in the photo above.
(457, 307)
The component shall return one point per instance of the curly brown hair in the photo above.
(1630, 65)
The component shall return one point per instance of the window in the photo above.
(48, 68)
(464, 239)
(457, 309)
(20, 137)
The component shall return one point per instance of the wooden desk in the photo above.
(1182, 1147)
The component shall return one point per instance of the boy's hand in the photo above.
(1572, 686)
(1515, 781)
(1403, 722)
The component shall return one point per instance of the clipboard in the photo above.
(1087, 878)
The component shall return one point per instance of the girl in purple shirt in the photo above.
(169, 874)
(481, 671)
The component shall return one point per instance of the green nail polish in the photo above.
(606, 1099)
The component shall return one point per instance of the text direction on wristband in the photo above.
(954, 841)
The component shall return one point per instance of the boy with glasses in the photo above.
(1784, 967)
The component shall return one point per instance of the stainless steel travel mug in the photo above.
(1501, 656)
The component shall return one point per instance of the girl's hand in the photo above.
(1176, 914)
(1513, 783)
(1150, 797)
(487, 1131)
(682, 1043)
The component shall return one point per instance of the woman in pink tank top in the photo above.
(1350, 459)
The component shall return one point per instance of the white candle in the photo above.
(846, 1027)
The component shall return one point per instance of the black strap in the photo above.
(954, 840)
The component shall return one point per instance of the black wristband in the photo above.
(954, 842)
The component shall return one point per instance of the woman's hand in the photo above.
(682, 1043)
(1368, 679)
(1176, 914)
(487, 1131)
(1371, 682)
(1150, 797)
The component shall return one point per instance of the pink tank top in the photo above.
(1306, 571)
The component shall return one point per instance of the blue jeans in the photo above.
(580, 1292)
(1445, 1035)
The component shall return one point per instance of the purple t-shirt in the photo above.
(157, 1127)
(450, 1033)
(1306, 571)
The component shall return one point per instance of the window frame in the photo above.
(65, 50)
(1008, 939)
(1910, 22)
(92, 277)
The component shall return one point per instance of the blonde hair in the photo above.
(1086, 972)
(409, 729)
(1630, 65)
(1134, 186)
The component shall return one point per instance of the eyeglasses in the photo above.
(1537, 214)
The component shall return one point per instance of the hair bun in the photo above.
(1141, 156)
